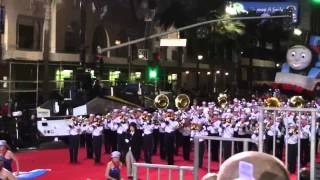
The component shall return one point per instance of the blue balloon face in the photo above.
(299, 57)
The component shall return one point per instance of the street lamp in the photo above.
(218, 72)
(208, 73)
(226, 74)
(297, 32)
(117, 42)
(200, 57)
(187, 72)
(277, 65)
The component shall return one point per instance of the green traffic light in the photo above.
(316, 2)
(153, 74)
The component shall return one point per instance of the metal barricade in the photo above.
(245, 142)
(312, 137)
(170, 168)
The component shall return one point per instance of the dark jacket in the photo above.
(134, 143)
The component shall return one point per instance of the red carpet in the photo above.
(58, 161)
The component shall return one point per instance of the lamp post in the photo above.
(215, 80)
(199, 58)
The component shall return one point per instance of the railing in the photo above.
(170, 168)
(312, 139)
(245, 142)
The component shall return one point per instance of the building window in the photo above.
(29, 31)
(114, 76)
(172, 78)
(135, 76)
(72, 38)
(61, 76)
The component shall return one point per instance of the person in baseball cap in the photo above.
(113, 170)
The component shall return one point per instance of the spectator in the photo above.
(265, 167)
(114, 167)
(4, 173)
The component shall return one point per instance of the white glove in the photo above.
(126, 140)
(142, 134)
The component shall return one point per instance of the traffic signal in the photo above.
(153, 73)
(152, 70)
(317, 2)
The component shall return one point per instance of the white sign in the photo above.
(42, 113)
(80, 111)
(173, 42)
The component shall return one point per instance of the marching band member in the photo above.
(97, 128)
(132, 141)
(156, 135)
(241, 128)
(113, 125)
(107, 133)
(271, 128)
(200, 130)
(74, 139)
(281, 130)
(160, 116)
(304, 143)
(147, 138)
(122, 127)
(213, 129)
(226, 130)
(292, 140)
(185, 130)
(170, 125)
(88, 136)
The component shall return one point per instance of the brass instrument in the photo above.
(223, 100)
(272, 102)
(296, 101)
(182, 101)
(195, 126)
(161, 101)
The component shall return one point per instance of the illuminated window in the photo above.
(114, 76)
(62, 75)
(172, 77)
(135, 76)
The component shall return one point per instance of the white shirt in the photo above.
(199, 119)
(74, 130)
(214, 128)
(122, 127)
(305, 132)
(147, 128)
(293, 139)
(185, 131)
(227, 131)
(241, 127)
(97, 130)
(170, 127)
(273, 129)
(195, 133)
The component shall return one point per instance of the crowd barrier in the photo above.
(245, 141)
(312, 137)
(159, 167)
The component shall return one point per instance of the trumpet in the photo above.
(195, 126)
(223, 100)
